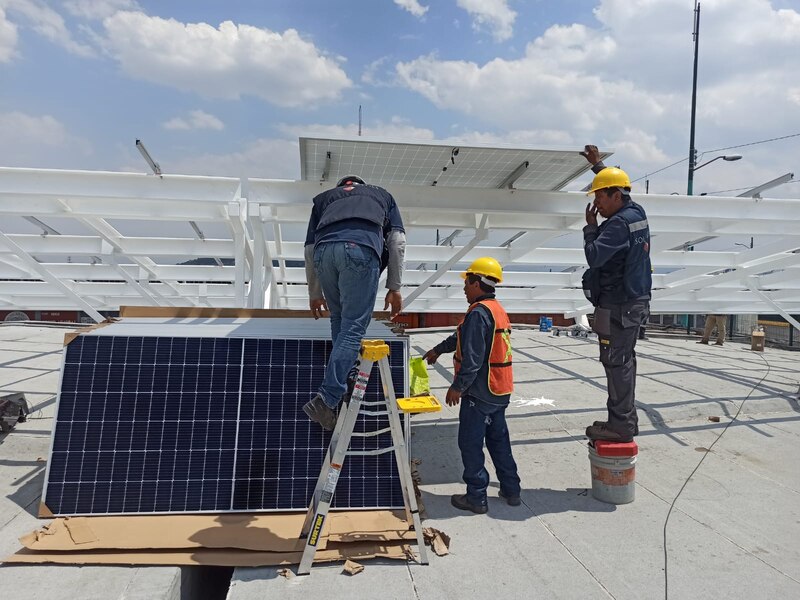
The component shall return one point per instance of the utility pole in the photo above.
(692, 150)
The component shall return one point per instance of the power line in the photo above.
(749, 187)
(662, 169)
(783, 137)
(677, 162)
(733, 190)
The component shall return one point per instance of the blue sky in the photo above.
(225, 88)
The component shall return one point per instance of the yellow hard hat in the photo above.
(608, 178)
(486, 266)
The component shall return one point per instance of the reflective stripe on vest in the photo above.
(501, 376)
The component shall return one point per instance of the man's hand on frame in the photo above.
(317, 307)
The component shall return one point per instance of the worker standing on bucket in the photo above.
(618, 284)
(484, 381)
(355, 230)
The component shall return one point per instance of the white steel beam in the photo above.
(480, 235)
(752, 283)
(698, 281)
(54, 281)
(236, 221)
(113, 237)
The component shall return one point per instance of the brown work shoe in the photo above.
(602, 432)
(321, 413)
(703, 342)
(718, 343)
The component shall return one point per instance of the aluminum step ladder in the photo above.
(372, 351)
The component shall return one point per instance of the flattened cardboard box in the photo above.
(220, 540)
(215, 557)
(275, 532)
(201, 312)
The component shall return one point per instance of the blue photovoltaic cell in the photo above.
(279, 376)
(159, 424)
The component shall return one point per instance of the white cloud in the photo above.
(396, 129)
(224, 62)
(18, 125)
(48, 23)
(197, 119)
(625, 84)
(98, 9)
(412, 6)
(262, 158)
(495, 15)
(38, 141)
(378, 73)
(8, 38)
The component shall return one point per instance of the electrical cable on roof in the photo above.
(453, 153)
(708, 451)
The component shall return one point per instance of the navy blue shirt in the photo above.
(363, 231)
(477, 334)
(618, 254)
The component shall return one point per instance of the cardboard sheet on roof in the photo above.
(225, 557)
(70, 337)
(274, 532)
(200, 312)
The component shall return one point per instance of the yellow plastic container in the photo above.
(419, 404)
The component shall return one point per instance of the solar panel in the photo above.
(453, 165)
(202, 424)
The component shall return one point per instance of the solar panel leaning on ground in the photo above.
(181, 419)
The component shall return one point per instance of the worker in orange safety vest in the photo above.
(484, 381)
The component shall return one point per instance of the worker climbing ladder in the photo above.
(372, 351)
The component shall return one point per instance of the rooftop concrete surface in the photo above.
(30, 362)
(733, 533)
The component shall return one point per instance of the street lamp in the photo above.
(728, 157)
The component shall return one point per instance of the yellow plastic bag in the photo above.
(420, 384)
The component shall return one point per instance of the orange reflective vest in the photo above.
(501, 377)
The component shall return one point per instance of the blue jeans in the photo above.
(348, 273)
(479, 421)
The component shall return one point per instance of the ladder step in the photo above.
(377, 452)
(374, 413)
(372, 433)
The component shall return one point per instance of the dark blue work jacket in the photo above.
(363, 214)
(477, 333)
(618, 255)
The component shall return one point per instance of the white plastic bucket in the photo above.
(613, 477)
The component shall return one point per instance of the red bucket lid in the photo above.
(604, 448)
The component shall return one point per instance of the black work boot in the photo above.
(602, 432)
(510, 500)
(605, 424)
(461, 503)
(321, 413)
